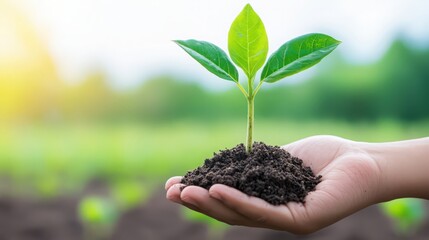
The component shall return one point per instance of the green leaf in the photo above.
(211, 57)
(248, 42)
(297, 55)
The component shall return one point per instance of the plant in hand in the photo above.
(257, 169)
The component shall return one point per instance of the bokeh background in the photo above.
(98, 107)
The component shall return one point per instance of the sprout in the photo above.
(248, 49)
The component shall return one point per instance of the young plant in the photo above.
(248, 49)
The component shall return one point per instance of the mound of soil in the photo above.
(267, 172)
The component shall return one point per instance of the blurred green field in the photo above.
(56, 159)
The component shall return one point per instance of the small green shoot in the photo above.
(248, 49)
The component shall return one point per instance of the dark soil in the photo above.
(27, 219)
(268, 172)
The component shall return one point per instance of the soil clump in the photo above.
(268, 172)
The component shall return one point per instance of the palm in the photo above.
(348, 176)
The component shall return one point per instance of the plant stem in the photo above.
(250, 117)
(250, 114)
(250, 97)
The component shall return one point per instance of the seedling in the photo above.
(248, 49)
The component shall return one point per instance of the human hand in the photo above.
(350, 181)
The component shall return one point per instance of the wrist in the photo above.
(403, 168)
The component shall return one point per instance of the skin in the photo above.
(355, 175)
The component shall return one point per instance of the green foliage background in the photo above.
(395, 87)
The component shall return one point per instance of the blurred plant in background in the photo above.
(98, 215)
(407, 214)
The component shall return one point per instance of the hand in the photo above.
(350, 181)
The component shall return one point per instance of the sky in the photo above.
(131, 39)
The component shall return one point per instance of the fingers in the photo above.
(255, 209)
(173, 187)
(173, 193)
(171, 181)
(231, 206)
(199, 199)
